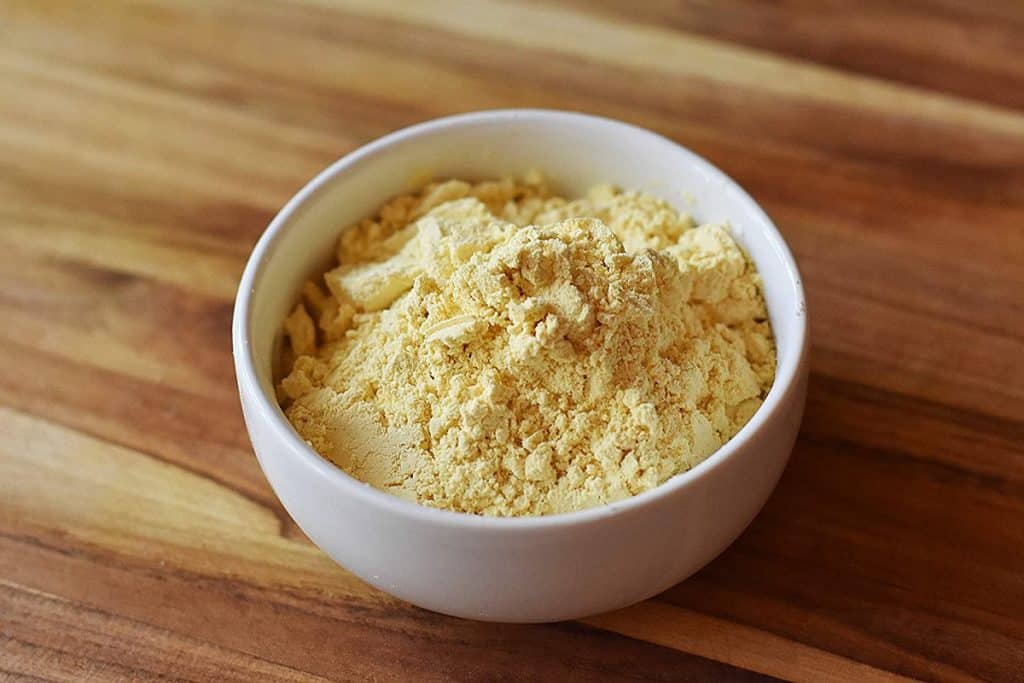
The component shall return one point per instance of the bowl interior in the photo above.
(576, 151)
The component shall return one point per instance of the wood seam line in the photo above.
(671, 51)
(735, 644)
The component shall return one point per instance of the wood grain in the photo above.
(145, 145)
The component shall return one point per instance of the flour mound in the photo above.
(497, 350)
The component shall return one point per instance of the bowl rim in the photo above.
(788, 370)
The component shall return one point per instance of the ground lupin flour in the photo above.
(491, 348)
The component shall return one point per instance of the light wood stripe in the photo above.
(648, 48)
(146, 141)
(129, 503)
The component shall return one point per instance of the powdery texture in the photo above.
(496, 350)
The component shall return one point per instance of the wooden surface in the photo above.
(145, 145)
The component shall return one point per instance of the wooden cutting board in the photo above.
(145, 145)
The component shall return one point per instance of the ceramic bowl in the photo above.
(529, 569)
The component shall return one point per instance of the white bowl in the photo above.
(528, 569)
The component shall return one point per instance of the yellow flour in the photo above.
(497, 350)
